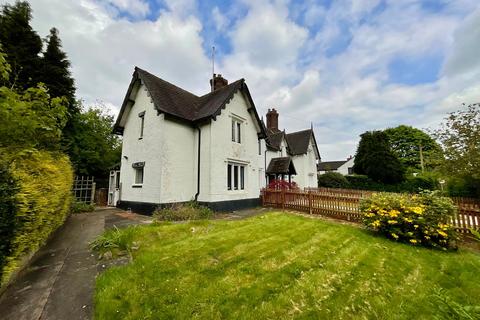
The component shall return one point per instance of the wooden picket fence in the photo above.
(345, 204)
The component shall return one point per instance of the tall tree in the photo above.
(95, 148)
(55, 72)
(406, 142)
(375, 158)
(21, 44)
(460, 139)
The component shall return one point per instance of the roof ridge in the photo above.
(222, 88)
(166, 82)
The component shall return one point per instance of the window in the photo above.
(260, 147)
(139, 175)
(236, 131)
(235, 177)
(229, 177)
(350, 170)
(138, 171)
(142, 123)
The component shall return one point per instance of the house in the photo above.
(344, 167)
(297, 151)
(178, 146)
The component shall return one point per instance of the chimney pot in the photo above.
(272, 120)
(218, 82)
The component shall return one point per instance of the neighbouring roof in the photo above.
(330, 165)
(179, 103)
(299, 141)
(275, 139)
(283, 165)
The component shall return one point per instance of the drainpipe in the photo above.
(265, 166)
(198, 162)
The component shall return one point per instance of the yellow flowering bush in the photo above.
(422, 219)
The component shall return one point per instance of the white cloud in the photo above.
(285, 63)
(136, 8)
(104, 49)
(465, 55)
(221, 21)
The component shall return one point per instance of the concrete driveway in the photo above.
(60, 279)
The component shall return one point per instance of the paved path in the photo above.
(60, 280)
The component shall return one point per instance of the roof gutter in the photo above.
(198, 162)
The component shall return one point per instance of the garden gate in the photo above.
(84, 189)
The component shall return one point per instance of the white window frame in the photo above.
(141, 115)
(138, 174)
(236, 177)
(236, 130)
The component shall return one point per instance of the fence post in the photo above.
(310, 202)
(283, 199)
(92, 195)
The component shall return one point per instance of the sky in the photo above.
(345, 66)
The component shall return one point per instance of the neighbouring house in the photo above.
(344, 167)
(291, 156)
(178, 146)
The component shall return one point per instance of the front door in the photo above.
(114, 188)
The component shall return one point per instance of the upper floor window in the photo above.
(141, 115)
(236, 131)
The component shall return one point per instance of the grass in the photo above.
(283, 266)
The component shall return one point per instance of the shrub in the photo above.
(8, 188)
(333, 180)
(41, 204)
(181, 212)
(412, 184)
(282, 185)
(78, 207)
(115, 241)
(422, 219)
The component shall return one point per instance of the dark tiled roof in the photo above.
(330, 165)
(177, 102)
(282, 165)
(275, 139)
(298, 141)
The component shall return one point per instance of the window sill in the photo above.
(137, 185)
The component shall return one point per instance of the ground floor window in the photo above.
(138, 175)
(138, 171)
(235, 176)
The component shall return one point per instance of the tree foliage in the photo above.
(31, 119)
(95, 149)
(405, 142)
(459, 136)
(21, 44)
(375, 158)
(55, 71)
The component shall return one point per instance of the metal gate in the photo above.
(84, 189)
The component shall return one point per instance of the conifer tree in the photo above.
(21, 44)
(376, 159)
(55, 72)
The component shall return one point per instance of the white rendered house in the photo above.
(178, 146)
(344, 167)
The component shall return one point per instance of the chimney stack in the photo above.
(272, 120)
(218, 82)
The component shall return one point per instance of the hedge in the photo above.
(333, 180)
(412, 184)
(40, 205)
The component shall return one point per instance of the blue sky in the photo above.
(346, 66)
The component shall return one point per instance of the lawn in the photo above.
(282, 266)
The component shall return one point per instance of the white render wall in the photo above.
(148, 149)
(343, 169)
(218, 150)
